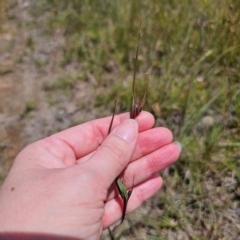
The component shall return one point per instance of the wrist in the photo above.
(33, 236)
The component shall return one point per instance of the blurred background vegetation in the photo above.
(191, 49)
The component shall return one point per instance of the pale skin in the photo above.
(64, 184)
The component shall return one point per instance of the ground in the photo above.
(26, 113)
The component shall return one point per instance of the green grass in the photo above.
(192, 51)
(29, 108)
(30, 43)
(63, 83)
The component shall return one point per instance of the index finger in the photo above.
(87, 137)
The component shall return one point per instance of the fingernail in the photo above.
(127, 130)
(178, 145)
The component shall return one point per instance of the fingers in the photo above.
(152, 163)
(87, 137)
(113, 208)
(151, 140)
(148, 141)
(143, 168)
(114, 153)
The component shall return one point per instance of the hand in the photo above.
(63, 184)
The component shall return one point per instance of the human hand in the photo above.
(63, 184)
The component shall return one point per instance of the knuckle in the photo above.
(117, 150)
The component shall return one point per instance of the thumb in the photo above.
(115, 152)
